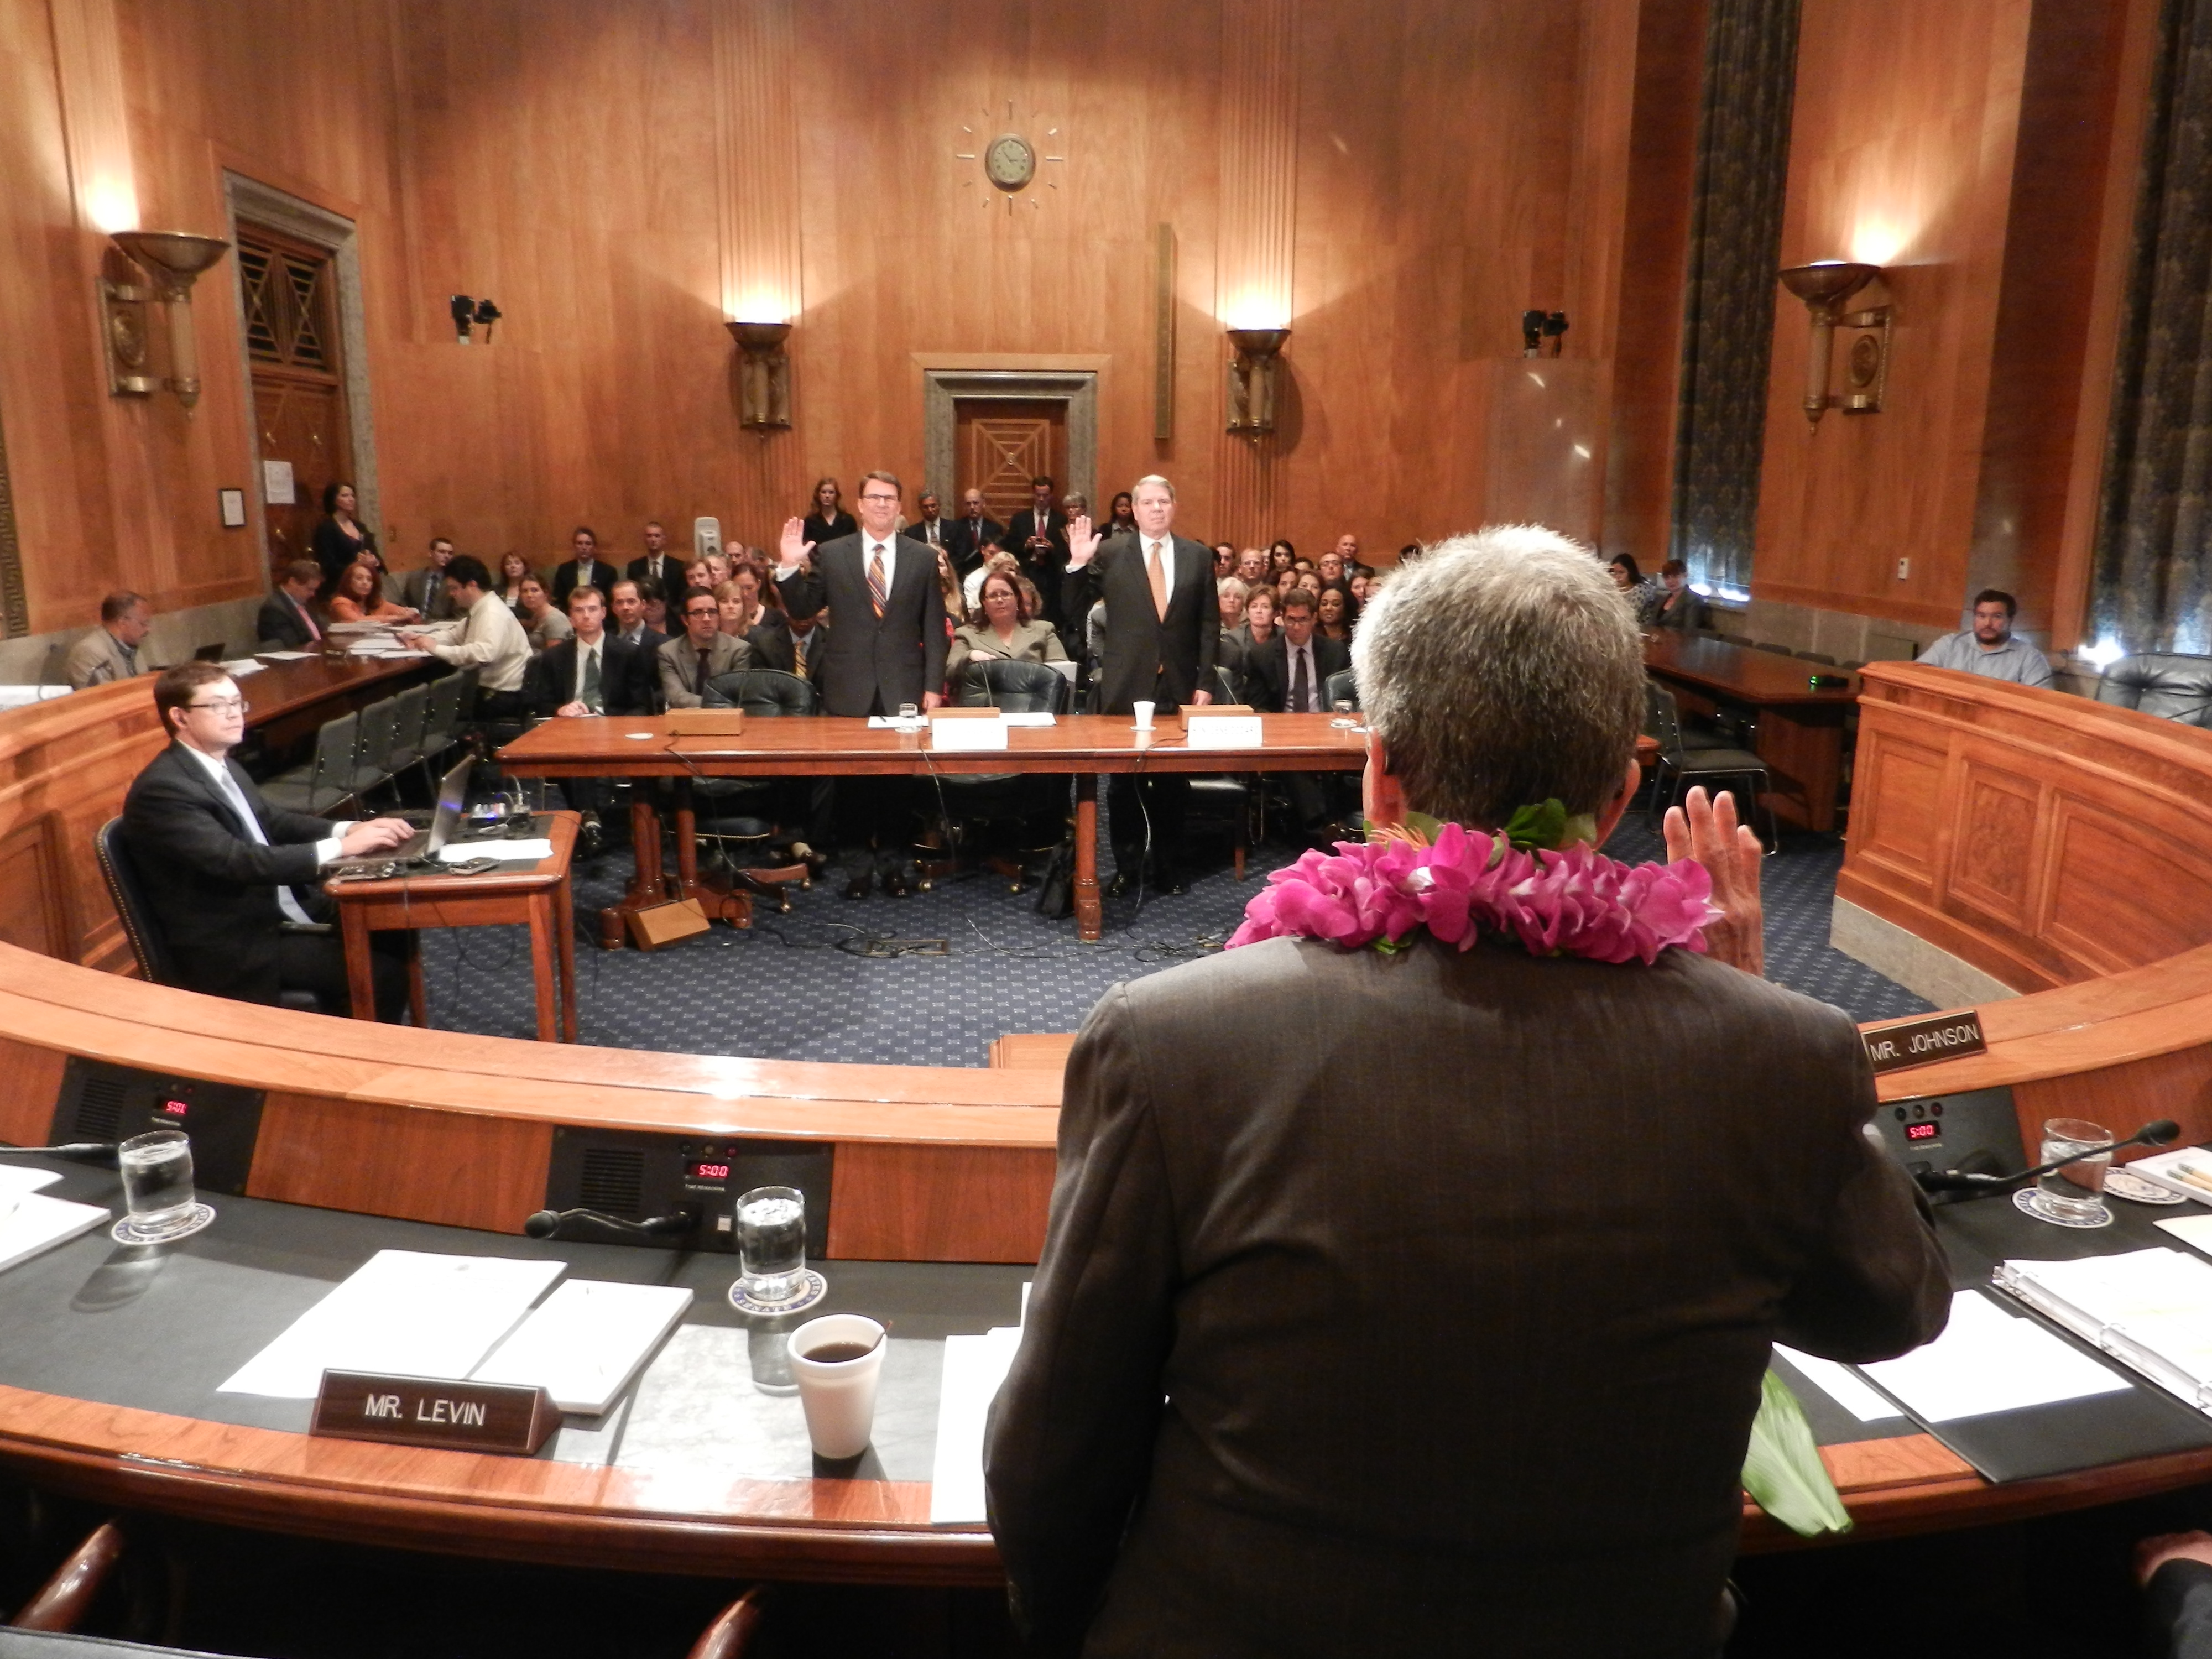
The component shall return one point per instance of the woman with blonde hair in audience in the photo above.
(546, 625)
(1004, 629)
(357, 599)
(513, 569)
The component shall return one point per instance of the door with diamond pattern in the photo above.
(999, 445)
(292, 345)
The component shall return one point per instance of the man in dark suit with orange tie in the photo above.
(1162, 622)
(886, 648)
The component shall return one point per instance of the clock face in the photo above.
(1010, 163)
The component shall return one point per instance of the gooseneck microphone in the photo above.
(1966, 1181)
(587, 1226)
(99, 1152)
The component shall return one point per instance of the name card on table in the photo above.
(1923, 1041)
(1222, 730)
(966, 734)
(416, 1411)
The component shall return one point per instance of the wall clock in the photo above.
(1012, 160)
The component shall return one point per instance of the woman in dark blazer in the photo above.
(1683, 606)
(828, 521)
(339, 537)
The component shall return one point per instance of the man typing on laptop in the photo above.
(235, 882)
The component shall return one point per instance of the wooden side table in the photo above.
(535, 895)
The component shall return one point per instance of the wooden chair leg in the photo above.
(418, 998)
(732, 1634)
(66, 1598)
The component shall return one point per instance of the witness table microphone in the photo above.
(585, 1226)
(99, 1152)
(1966, 1181)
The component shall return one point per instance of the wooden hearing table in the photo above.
(534, 894)
(1800, 730)
(287, 700)
(1085, 745)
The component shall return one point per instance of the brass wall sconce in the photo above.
(763, 374)
(1252, 377)
(1824, 287)
(175, 259)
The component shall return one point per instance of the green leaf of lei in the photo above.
(1782, 1467)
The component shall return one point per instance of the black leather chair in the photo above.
(1342, 686)
(754, 815)
(1029, 809)
(1679, 766)
(150, 949)
(2170, 686)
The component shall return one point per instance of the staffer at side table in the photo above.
(1988, 649)
(486, 637)
(110, 652)
(234, 882)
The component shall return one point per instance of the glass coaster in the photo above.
(812, 1287)
(2024, 1202)
(131, 1231)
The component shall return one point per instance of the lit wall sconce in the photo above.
(1252, 377)
(175, 259)
(1824, 287)
(468, 314)
(763, 374)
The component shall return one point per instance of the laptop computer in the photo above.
(424, 844)
(209, 652)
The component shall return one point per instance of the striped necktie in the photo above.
(877, 593)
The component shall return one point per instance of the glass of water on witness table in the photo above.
(772, 1273)
(2073, 1196)
(157, 1189)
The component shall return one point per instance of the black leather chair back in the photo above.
(762, 692)
(126, 888)
(2172, 687)
(1342, 686)
(1019, 687)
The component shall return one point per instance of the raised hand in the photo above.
(1729, 851)
(794, 547)
(1082, 541)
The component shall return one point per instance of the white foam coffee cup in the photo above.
(1144, 711)
(838, 1395)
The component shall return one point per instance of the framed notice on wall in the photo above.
(233, 502)
(276, 484)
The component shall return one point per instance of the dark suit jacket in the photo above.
(629, 677)
(282, 621)
(1444, 1328)
(822, 531)
(1046, 569)
(603, 576)
(967, 541)
(672, 571)
(1147, 659)
(214, 891)
(873, 664)
(425, 589)
(1689, 611)
(1268, 669)
(771, 642)
(817, 648)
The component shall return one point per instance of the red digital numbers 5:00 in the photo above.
(710, 1172)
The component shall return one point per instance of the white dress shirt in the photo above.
(487, 638)
(326, 849)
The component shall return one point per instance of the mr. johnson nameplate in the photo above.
(1923, 1041)
(416, 1411)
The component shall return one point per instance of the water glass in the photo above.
(772, 1243)
(2073, 1196)
(1347, 716)
(157, 1188)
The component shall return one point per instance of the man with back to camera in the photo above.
(110, 652)
(484, 635)
(233, 881)
(1444, 1331)
(1163, 624)
(1988, 649)
(886, 648)
(287, 619)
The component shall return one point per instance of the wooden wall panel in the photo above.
(457, 1169)
(30, 1083)
(939, 1203)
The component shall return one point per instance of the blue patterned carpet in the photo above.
(795, 988)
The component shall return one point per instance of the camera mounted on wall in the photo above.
(1538, 326)
(471, 313)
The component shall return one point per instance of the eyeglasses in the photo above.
(221, 705)
(879, 499)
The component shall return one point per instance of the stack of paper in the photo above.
(506, 851)
(403, 1313)
(2151, 1309)
(975, 1366)
(30, 1222)
(1991, 1360)
(1835, 1381)
(587, 1340)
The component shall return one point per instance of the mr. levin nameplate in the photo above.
(1923, 1041)
(419, 1411)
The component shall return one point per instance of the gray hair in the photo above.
(1152, 478)
(1501, 670)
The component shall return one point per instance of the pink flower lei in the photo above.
(1465, 883)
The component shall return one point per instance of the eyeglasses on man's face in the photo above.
(220, 705)
(879, 499)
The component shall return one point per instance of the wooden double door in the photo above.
(999, 445)
(293, 352)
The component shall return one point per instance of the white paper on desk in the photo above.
(1202, 731)
(289, 656)
(31, 1222)
(586, 1341)
(1039, 717)
(239, 667)
(16, 1178)
(1837, 1382)
(403, 1313)
(2194, 1230)
(975, 1366)
(893, 723)
(507, 852)
(1990, 1360)
(2159, 1300)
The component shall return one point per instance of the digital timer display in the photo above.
(1923, 1131)
(175, 1107)
(705, 1171)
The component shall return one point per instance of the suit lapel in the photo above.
(206, 786)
